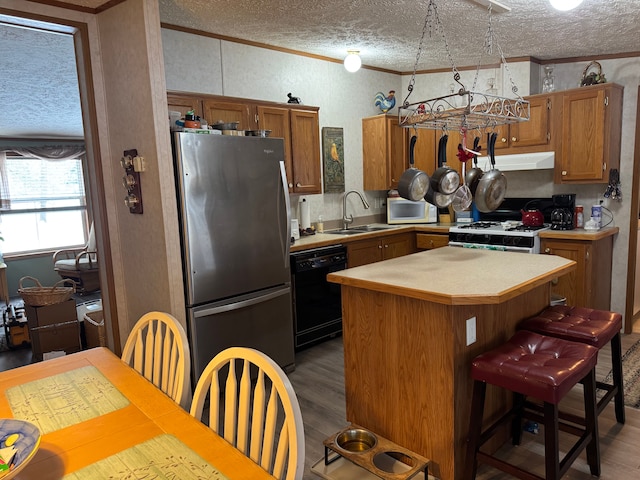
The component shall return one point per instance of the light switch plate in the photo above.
(471, 331)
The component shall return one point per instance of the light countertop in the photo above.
(457, 276)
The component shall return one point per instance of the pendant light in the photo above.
(352, 61)
(565, 5)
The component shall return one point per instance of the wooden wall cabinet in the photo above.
(429, 241)
(590, 284)
(298, 125)
(384, 152)
(534, 135)
(376, 249)
(591, 134)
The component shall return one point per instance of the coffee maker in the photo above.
(562, 214)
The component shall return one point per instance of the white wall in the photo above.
(204, 65)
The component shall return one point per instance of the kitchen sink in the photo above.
(360, 229)
(351, 231)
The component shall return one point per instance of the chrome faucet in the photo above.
(349, 220)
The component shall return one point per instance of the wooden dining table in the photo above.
(144, 413)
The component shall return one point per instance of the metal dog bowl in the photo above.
(356, 440)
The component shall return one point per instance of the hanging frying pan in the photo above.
(473, 176)
(445, 179)
(432, 196)
(492, 187)
(413, 183)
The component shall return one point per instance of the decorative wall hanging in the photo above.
(333, 159)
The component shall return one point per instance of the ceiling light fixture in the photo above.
(352, 61)
(565, 5)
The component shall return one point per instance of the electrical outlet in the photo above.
(471, 331)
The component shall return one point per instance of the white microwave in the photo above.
(401, 210)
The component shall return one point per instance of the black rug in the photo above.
(631, 376)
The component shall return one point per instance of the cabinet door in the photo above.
(184, 103)
(278, 121)
(583, 135)
(215, 111)
(384, 152)
(425, 150)
(429, 241)
(364, 252)
(305, 151)
(536, 131)
(575, 285)
(398, 245)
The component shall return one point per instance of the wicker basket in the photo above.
(40, 296)
(592, 78)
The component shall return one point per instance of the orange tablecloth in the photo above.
(150, 413)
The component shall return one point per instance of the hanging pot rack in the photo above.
(464, 109)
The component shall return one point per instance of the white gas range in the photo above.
(510, 235)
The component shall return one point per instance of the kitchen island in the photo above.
(411, 327)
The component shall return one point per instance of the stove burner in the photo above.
(526, 228)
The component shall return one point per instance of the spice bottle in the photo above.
(579, 217)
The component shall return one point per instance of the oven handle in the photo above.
(502, 248)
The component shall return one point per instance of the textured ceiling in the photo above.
(41, 90)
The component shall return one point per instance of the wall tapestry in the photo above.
(333, 159)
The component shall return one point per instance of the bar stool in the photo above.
(546, 368)
(593, 327)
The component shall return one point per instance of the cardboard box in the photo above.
(53, 328)
(51, 314)
(56, 337)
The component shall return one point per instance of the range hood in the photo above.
(522, 161)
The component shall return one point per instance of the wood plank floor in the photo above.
(319, 383)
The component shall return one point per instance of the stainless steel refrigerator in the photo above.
(235, 226)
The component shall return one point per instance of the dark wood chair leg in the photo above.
(616, 364)
(591, 423)
(475, 429)
(551, 442)
(516, 423)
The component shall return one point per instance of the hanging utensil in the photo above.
(473, 176)
(433, 196)
(492, 187)
(445, 179)
(413, 183)
(462, 197)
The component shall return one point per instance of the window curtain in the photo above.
(45, 152)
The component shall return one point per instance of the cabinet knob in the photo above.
(564, 172)
(430, 243)
(380, 247)
(298, 185)
(386, 246)
(547, 250)
(514, 139)
(503, 140)
(291, 185)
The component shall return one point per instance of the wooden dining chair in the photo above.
(158, 348)
(253, 406)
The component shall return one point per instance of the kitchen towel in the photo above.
(305, 215)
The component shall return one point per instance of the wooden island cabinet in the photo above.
(589, 285)
(411, 327)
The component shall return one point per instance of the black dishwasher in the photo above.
(317, 306)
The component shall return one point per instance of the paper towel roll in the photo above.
(305, 215)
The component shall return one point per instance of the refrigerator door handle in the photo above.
(239, 305)
(286, 242)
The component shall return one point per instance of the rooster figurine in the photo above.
(385, 103)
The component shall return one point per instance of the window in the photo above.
(45, 208)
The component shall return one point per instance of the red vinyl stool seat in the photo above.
(545, 368)
(593, 327)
